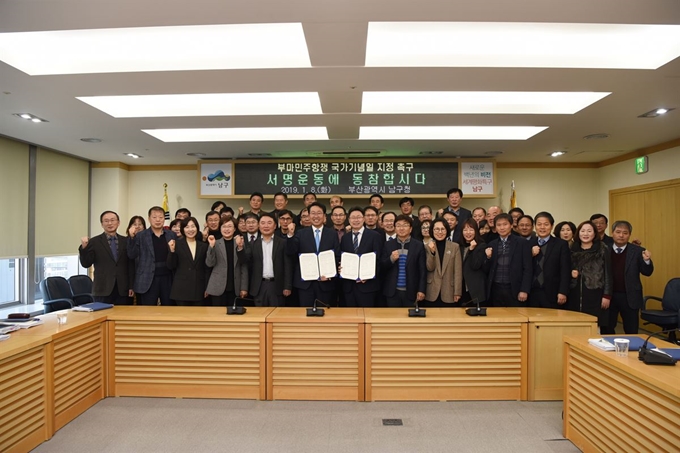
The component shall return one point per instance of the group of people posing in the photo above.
(445, 258)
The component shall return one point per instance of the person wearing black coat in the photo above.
(187, 260)
(474, 277)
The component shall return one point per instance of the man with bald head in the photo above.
(491, 214)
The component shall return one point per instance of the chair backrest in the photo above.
(80, 284)
(56, 305)
(55, 288)
(671, 295)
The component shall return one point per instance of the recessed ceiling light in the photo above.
(143, 49)
(477, 102)
(521, 45)
(209, 104)
(247, 134)
(196, 154)
(30, 117)
(557, 153)
(656, 112)
(133, 155)
(449, 132)
(91, 140)
(600, 136)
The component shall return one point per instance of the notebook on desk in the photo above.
(94, 306)
(635, 342)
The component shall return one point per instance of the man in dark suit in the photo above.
(552, 265)
(360, 241)
(405, 266)
(149, 247)
(628, 262)
(601, 221)
(108, 253)
(315, 239)
(271, 270)
(455, 197)
(508, 263)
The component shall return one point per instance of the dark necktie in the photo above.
(114, 247)
(541, 242)
(618, 250)
(356, 242)
(252, 238)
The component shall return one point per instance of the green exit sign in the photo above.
(641, 165)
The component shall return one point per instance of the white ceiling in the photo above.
(335, 31)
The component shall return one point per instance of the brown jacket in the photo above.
(445, 276)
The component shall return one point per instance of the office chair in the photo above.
(57, 294)
(81, 288)
(669, 316)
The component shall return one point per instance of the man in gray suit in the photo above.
(108, 253)
(271, 270)
(153, 278)
(628, 262)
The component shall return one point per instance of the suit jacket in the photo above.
(416, 269)
(473, 272)
(107, 271)
(556, 267)
(191, 274)
(371, 241)
(140, 248)
(635, 265)
(463, 215)
(303, 242)
(444, 276)
(216, 258)
(283, 266)
(521, 265)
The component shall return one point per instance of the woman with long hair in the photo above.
(565, 230)
(591, 274)
(472, 250)
(227, 258)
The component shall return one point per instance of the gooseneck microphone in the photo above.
(475, 311)
(238, 309)
(655, 356)
(315, 311)
(416, 311)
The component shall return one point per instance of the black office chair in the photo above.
(56, 293)
(669, 316)
(81, 288)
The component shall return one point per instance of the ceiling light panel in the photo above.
(215, 104)
(521, 45)
(477, 102)
(449, 132)
(248, 134)
(183, 48)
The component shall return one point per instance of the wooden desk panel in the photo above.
(192, 352)
(616, 404)
(311, 358)
(546, 331)
(24, 414)
(445, 356)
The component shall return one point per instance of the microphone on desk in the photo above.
(238, 309)
(416, 311)
(475, 311)
(653, 357)
(315, 311)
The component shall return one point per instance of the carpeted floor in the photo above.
(129, 425)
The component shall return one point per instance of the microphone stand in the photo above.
(475, 311)
(652, 357)
(238, 309)
(417, 312)
(314, 311)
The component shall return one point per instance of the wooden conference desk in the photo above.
(619, 404)
(191, 352)
(49, 375)
(310, 358)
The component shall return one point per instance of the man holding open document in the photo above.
(316, 250)
(360, 250)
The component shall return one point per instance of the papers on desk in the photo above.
(602, 344)
(4, 337)
(22, 324)
(314, 266)
(357, 267)
(94, 306)
(5, 329)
